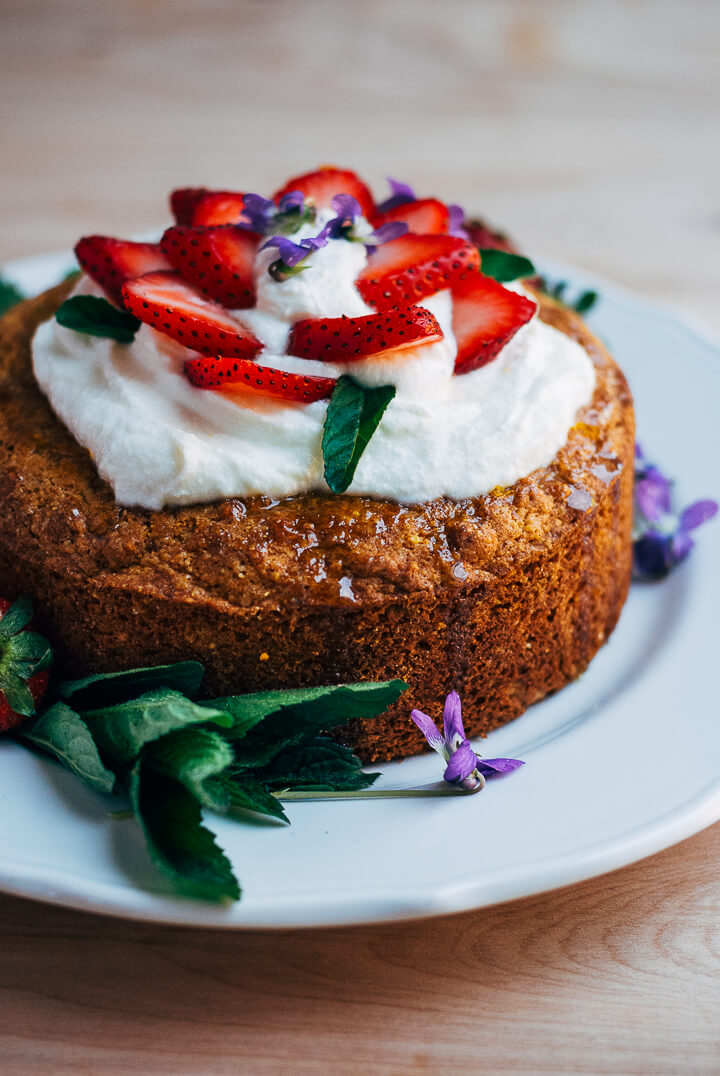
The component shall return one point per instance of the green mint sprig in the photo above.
(504, 267)
(97, 317)
(353, 415)
(581, 304)
(10, 295)
(145, 733)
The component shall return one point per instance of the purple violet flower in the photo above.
(292, 254)
(402, 193)
(661, 536)
(455, 223)
(464, 768)
(385, 234)
(257, 214)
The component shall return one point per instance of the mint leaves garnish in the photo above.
(9, 295)
(581, 304)
(143, 733)
(352, 417)
(97, 317)
(504, 267)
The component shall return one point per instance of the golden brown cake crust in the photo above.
(503, 597)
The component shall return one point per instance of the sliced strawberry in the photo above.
(183, 202)
(413, 266)
(322, 186)
(175, 308)
(348, 339)
(241, 375)
(485, 238)
(110, 262)
(217, 260)
(427, 216)
(218, 207)
(485, 317)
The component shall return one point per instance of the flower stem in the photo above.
(371, 793)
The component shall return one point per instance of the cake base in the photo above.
(504, 597)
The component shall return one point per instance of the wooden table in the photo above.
(590, 129)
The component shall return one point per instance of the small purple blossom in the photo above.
(661, 536)
(455, 222)
(347, 209)
(292, 254)
(464, 768)
(385, 234)
(262, 215)
(402, 193)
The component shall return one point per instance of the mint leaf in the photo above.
(352, 417)
(269, 721)
(504, 267)
(9, 295)
(320, 765)
(17, 617)
(97, 317)
(63, 733)
(244, 793)
(193, 756)
(178, 842)
(585, 301)
(122, 731)
(108, 689)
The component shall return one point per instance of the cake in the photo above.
(504, 594)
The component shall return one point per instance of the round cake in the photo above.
(503, 596)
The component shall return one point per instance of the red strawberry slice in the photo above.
(110, 262)
(348, 339)
(323, 185)
(485, 317)
(173, 307)
(413, 266)
(218, 260)
(427, 216)
(485, 238)
(183, 202)
(241, 375)
(218, 207)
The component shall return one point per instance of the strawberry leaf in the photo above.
(178, 843)
(109, 689)
(17, 617)
(63, 733)
(122, 731)
(97, 317)
(17, 693)
(9, 295)
(352, 417)
(504, 267)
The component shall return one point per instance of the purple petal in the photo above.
(639, 454)
(429, 730)
(652, 494)
(455, 223)
(291, 253)
(386, 232)
(679, 547)
(320, 240)
(257, 212)
(346, 206)
(291, 200)
(452, 721)
(490, 766)
(402, 193)
(461, 763)
(653, 556)
(697, 513)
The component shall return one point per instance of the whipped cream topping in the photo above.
(159, 441)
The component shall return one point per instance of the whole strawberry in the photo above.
(25, 658)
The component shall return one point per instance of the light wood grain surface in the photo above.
(591, 131)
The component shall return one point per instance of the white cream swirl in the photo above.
(158, 441)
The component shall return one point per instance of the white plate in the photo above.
(621, 764)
